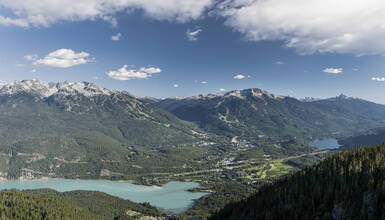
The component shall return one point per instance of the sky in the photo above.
(167, 48)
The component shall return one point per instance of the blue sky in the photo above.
(155, 56)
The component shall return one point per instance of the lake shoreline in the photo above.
(173, 197)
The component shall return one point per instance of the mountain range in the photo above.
(254, 114)
(70, 126)
(83, 130)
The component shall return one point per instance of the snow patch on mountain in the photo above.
(242, 94)
(44, 89)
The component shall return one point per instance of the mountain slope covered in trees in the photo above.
(371, 137)
(80, 129)
(22, 205)
(103, 205)
(356, 105)
(255, 114)
(348, 185)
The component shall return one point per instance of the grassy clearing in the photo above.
(268, 170)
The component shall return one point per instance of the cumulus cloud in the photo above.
(47, 12)
(116, 37)
(279, 62)
(63, 58)
(222, 89)
(378, 79)
(309, 26)
(239, 76)
(333, 70)
(192, 35)
(204, 82)
(175, 85)
(127, 74)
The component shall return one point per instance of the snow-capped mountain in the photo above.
(245, 93)
(44, 89)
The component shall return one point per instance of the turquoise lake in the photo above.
(326, 144)
(172, 197)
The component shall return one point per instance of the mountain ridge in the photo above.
(46, 89)
(61, 129)
(251, 109)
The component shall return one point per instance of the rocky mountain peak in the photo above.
(44, 89)
(245, 93)
(253, 92)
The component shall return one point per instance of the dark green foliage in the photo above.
(224, 193)
(102, 204)
(348, 185)
(21, 205)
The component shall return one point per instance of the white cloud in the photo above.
(116, 37)
(47, 12)
(192, 35)
(204, 82)
(128, 74)
(333, 70)
(30, 57)
(279, 62)
(309, 26)
(222, 89)
(63, 58)
(239, 76)
(379, 79)
(151, 70)
(175, 85)
(6, 21)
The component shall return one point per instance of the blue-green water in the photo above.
(326, 144)
(172, 197)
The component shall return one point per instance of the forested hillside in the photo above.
(82, 130)
(356, 105)
(348, 185)
(371, 137)
(103, 205)
(256, 115)
(21, 205)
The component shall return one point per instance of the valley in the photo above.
(230, 144)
